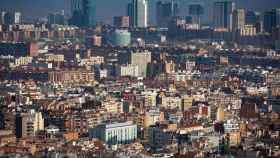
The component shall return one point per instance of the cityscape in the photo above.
(140, 79)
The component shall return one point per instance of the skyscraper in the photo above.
(56, 18)
(223, 14)
(77, 13)
(17, 16)
(164, 12)
(270, 20)
(277, 17)
(2, 20)
(76, 5)
(138, 13)
(121, 38)
(253, 18)
(83, 12)
(196, 10)
(238, 17)
(90, 12)
(10, 18)
(130, 14)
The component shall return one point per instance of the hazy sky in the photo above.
(108, 8)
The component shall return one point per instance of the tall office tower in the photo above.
(56, 18)
(165, 11)
(2, 18)
(277, 17)
(195, 11)
(77, 13)
(9, 18)
(141, 59)
(270, 20)
(90, 12)
(142, 13)
(238, 19)
(130, 14)
(138, 13)
(76, 5)
(223, 14)
(83, 12)
(206, 18)
(17, 16)
(253, 18)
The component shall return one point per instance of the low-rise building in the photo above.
(115, 133)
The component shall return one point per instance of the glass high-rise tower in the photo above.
(83, 12)
(238, 19)
(165, 11)
(90, 11)
(138, 13)
(271, 20)
(223, 14)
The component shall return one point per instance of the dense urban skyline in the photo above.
(132, 79)
(107, 8)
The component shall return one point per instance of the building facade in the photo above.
(223, 14)
(115, 133)
(141, 59)
(164, 12)
(238, 19)
(271, 20)
(83, 12)
(121, 21)
(29, 123)
(121, 38)
(9, 18)
(128, 70)
(70, 76)
(137, 10)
